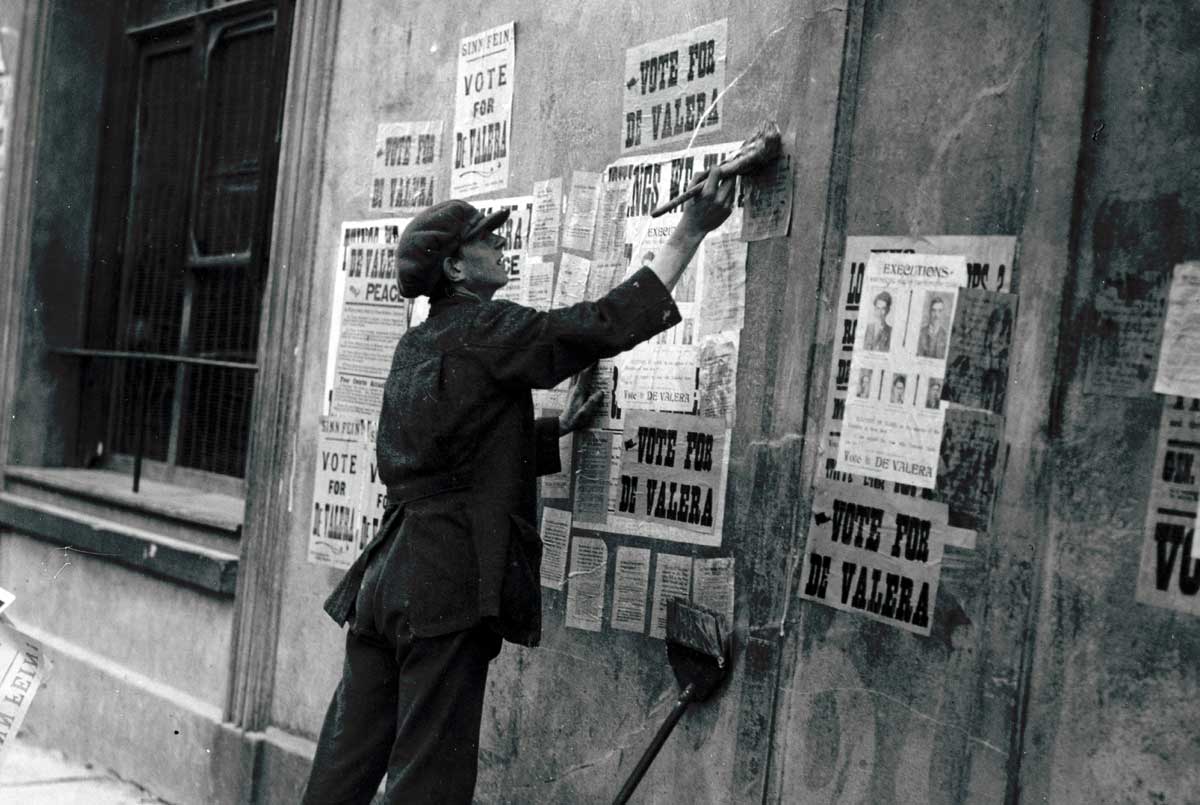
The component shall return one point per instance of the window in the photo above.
(182, 233)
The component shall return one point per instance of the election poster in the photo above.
(672, 87)
(1169, 570)
(515, 231)
(582, 197)
(671, 470)
(586, 584)
(713, 587)
(631, 584)
(24, 671)
(672, 579)
(406, 167)
(547, 217)
(1179, 356)
(556, 537)
(893, 423)
(336, 530)
(483, 111)
(989, 268)
(367, 318)
(874, 556)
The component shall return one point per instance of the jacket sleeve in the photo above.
(534, 349)
(546, 459)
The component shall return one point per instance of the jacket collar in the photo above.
(445, 303)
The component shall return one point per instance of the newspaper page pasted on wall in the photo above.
(483, 111)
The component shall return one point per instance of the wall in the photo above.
(1042, 679)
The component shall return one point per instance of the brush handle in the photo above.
(639, 771)
(692, 191)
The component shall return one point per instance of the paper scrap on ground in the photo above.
(631, 583)
(515, 232)
(336, 527)
(547, 217)
(556, 536)
(483, 111)
(980, 345)
(672, 87)
(768, 210)
(367, 318)
(893, 423)
(713, 589)
(582, 200)
(22, 660)
(671, 470)
(672, 579)
(874, 556)
(586, 583)
(1169, 570)
(407, 166)
(1179, 356)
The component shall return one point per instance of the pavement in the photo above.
(31, 775)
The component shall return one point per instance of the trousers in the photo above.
(410, 708)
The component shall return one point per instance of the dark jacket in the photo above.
(459, 450)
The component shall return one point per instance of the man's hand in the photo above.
(581, 407)
(702, 215)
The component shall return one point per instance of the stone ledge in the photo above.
(208, 569)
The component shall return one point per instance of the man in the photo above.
(454, 567)
(899, 385)
(879, 332)
(931, 343)
(864, 384)
(933, 396)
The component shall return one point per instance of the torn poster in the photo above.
(368, 317)
(586, 583)
(407, 165)
(712, 587)
(547, 217)
(582, 199)
(718, 377)
(593, 469)
(875, 556)
(672, 87)
(556, 535)
(515, 232)
(989, 266)
(1169, 571)
(768, 210)
(969, 466)
(671, 470)
(21, 657)
(631, 583)
(537, 283)
(1126, 332)
(571, 285)
(336, 530)
(893, 424)
(980, 344)
(557, 485)
(1179, 355)
(672, 579)
(483, 111)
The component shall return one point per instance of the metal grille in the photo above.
(195, 245)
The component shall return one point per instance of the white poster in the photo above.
(547, 217)
(483, 112)
(407, 165)
(713, 587)
(556, 537)
(582, 199)
(672, 87)
(22, 660)
(631, 584)
(367, 318)
(336, 533)
(672, 579)
(893, 424)
(571, 285)
(586, 583)
(1179, 356)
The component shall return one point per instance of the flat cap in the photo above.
(432, 236)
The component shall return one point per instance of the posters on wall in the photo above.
(585, 591)
(768, 210)
(556, 538)
(547, 217)
(980, 343)
(22, 660)
(875, 556)
(893, 421)
(338, 492)
(1179, 356)
(483, 112)
(407, 165)
(672, 86)
(631, 582)
(582, 198)
(1169, 570)
(672, 579)
(367, 319)
(515, 231)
